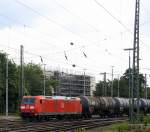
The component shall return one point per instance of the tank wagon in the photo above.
(144, 105)
(104, 106)
(45, 107)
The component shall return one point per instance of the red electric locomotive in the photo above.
(40, 107)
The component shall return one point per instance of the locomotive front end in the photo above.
(28, 106)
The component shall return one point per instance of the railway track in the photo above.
(55, 125)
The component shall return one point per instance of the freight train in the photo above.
(46, 107)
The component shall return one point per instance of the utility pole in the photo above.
(135, 81)
(118, 85)
(130, 90)
(104, 84)
(21, 91)
(145, 86)
(44, 75)
(70, 85)
(84, 83)
(6, 85)
(112, 82)
(44, 79)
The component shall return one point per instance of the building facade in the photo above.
(73, 85)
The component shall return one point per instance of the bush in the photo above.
(123, 127)
(147, 120)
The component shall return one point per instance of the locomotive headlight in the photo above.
(22, 107)
(31, 107)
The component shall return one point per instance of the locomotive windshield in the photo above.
(28, 101)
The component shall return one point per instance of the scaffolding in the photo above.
(74, 85)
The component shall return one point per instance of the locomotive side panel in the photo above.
(48, 106)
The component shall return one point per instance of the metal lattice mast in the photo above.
(130, 90)
(135, 81)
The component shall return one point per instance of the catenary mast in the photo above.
(135, 74)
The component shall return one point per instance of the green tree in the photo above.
(123, 86)
(99, 89)
(101, 86)
(51, 84)
(12, 84)
(2, 81)
(33, 83)
(126, 76)
(33, 79)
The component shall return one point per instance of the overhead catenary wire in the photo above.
(61, 62)
(70, 12)
(27, 26)
(51, 20)
(80, 68)
(69, 50)
(69, 64)
(44, 40)
(55, 22)
(146, 45)
(116, 19)
(37, 55)
(48, 35)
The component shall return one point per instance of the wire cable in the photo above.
(51, 20)
(36, 31)
(70, 12)
(69, 50)
(115, 18)
(47, 35)
(95, 70)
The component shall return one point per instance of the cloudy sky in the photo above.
(47, 27)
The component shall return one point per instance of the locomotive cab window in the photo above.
(28, 101)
